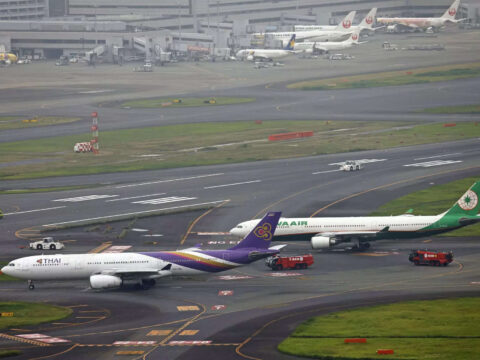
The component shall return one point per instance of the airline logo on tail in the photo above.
(354, 37)
(291, 43)
(452, 11)
(369, 20)
(346, 24)
(264, 231)
(468, 201)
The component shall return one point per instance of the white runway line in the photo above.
(135, 197)
(361, 161)
(234, 184)
(166, 181)
(436, 156)
(324, 172)
(434, 163)
(134, 213)
(85, 198)
(36, 210)
(163, 200)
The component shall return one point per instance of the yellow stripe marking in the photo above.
(188, 308)
(19, 339)
(188, 332)
(130, 352)
(159, 332)
(100, 248)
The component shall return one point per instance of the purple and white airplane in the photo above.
(107, 270)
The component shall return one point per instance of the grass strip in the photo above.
(393, 78)
(26, 314)
(185, 102)
(432, 201)
(10, 122)
(437, 329)
(213, 143)
(9, 353)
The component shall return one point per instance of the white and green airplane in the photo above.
(357, 232)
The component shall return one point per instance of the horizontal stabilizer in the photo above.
(277, 247)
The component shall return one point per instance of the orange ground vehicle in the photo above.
(435, 258)
(289, 262)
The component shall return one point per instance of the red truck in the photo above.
(435, 258)
(289, 262)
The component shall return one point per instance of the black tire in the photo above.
(298, 266)
(52, 247)
(39, 247)
(358, 167)
(445, 264)
(31, 287)
(304, 266)
(351, 168)
(416, 262)
(280, 267)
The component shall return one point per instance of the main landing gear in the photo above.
(31, 285)
(361, 246)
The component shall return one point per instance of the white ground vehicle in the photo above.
(351, 165)
(47, 243)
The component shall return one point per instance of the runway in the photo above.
(243, 313)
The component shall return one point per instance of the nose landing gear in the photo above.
(31, 285)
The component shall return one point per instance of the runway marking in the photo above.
(36, 210)
(234, 184)
(434, 163)
(234, 277)
(188, 332)
(379, 187)
(218, 307)
(211, 233)
(117, 249)
(225, 293)
(139, 230)
(133, 213)
(135, 197)
(436, 156)
(164, 200)
(22, 339)
(188, 308)
(427, 241)
(130, 352)
(361, 161)
(190, 342)
(100, 248)
(283, 274)
(116, 343)
(324, 172)
(159, 332)
(167, 181)
(85, 198)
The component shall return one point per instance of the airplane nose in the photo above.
(4, 270)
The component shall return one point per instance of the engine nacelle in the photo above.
(322, 242)
(105, 281)
(250, 57)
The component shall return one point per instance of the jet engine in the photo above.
(105, 281)
(322, 242)
(250, 57)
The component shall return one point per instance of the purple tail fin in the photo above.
(262, 234)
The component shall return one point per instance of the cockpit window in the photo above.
(239, 227)
(11, 264)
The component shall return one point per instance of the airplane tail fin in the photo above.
(347, 22)
(368, 20)
(451, 11)
(354, 37)
(468, 204)
(262, 234)
(291, 43)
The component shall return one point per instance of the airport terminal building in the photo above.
(50, 28)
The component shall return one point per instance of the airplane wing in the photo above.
(361, 235)
(140, 273)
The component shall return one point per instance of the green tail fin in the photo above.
(468, 204)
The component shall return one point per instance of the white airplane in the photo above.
(107, 271)
(325, 47)
(422, 23)
(267, 54)
(357, 232)
(365, 24)
(338, 33)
